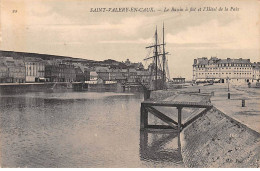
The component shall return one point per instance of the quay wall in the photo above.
(34, 87)
(219, 141)
(216, 140)
(162, 94)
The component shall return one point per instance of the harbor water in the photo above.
(80, 129)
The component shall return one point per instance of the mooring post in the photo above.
(199, 90)
(143, 117)
(228, 95)
(179, 119)
(147, 94)
(243, 102)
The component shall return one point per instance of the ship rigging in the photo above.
(159, 67)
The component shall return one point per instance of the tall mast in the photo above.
(156, 58)
(163, 57)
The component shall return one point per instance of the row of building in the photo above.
(121, 75)
(33, 69)
(223, 70)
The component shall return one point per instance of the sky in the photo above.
(69, 28)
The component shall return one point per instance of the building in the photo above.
(59, 72)
(224, 70)
(144, 76)
(52, 72)
(35, 68)
(93, 76)
(117, 75)
(103, 73)
(132, 75)
(82, 74)
(178, 80)
(12, 70)
(67, 73)
(256, 70)
(3, 70)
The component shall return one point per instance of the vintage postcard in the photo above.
(129, 83)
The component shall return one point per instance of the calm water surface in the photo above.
(80, 129)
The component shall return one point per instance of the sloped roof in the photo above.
(202, 61)
(238, 61)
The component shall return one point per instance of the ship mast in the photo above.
(163, 58)
(156, 58)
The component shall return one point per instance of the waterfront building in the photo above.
(12, 70)
(144, 76)
(256, 70)
(103, 73)
(224, 70)
(82, 74)
(35, 68)
(3, 70)
(132, 75)
(52, 73)
(68, 73)
(178, 80)
(93, 76)
(116, 74)
(59, 72)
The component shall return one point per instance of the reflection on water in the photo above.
(80, 129)
(156, 150)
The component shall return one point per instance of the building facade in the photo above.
(35, 68)
(3, 70)
(59, 72)
(224, 70)
(12, 70)
(178, 80)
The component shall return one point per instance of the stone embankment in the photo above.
(215, 139)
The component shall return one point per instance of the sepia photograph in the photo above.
(129, 84)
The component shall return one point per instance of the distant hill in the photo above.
(19, 55)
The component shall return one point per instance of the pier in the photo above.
(147, 107)
(213, 130)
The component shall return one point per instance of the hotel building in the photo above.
(223, 70)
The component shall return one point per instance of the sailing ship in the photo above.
(159, 67)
